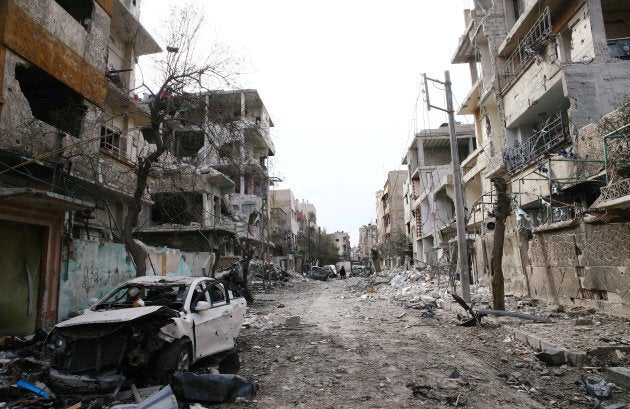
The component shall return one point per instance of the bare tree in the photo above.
(181, 76)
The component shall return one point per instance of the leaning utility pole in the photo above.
(462, 246)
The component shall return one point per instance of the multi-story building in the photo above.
(390, 214)
(307, 232)
(69, 139)
(367, 241)
(430, 195)
(541, 73)
(341, 240)
(284, 224)
(221, 186)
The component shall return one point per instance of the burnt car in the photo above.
(318, 273)
(145, 329)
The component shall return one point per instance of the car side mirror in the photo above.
(202, 306)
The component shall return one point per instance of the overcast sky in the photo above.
(340, 80)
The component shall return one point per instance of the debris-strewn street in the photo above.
(353, 348)
(393, 339)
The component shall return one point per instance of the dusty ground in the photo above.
(364, 352)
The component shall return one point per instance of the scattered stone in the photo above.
(583, 321)
(292, 321)
(552, 357)
(559, 371)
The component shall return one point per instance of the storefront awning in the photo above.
(32, 198)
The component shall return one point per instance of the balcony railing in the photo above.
(616, 190)
(546, 136)
(529, 48)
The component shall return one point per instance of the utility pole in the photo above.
(462, 246)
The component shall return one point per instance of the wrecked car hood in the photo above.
(118, 316)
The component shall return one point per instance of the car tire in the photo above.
(175, 357)
(230, 364)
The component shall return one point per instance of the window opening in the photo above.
(217, 295)
(51, 101)
(81, 11)
(182, 208)
(112, 139)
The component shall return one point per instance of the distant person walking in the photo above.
(342, 273)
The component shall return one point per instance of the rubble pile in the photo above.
(543, 339)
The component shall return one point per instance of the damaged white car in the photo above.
(146, 328)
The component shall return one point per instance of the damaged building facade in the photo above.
(216, 198)
(341, 239)
(428, 197)
(544, 75)
(68, 139)
(284, 227)
(307, 235)
(390, 218)
(72, 129)
(367, 242)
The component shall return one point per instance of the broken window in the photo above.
(81, 11)
(230, 150)
(51, 101)
(112, 140)
(518, 8)
(187, 145)
(182, 208)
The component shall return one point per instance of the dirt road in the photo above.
(350, 352)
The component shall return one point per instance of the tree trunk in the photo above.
(138, 254)
(215, 265)
(501, 212)
(133, 210)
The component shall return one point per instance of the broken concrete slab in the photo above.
(619, 375)
(554, 357)
(607, 353)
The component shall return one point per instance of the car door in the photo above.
(219, 301)
(208, 322)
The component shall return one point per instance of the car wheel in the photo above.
(230, 364)
(175, 357)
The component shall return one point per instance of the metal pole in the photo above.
(462, 246)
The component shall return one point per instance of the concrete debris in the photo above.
(552, 357)
(620, 376)
(446, 391)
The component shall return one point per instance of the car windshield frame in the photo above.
(171, 294)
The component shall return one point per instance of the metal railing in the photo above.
(546, 136)
(616, 190)
(529, 48)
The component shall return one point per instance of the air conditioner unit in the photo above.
(619, 48)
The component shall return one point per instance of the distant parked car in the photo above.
(148, 328)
